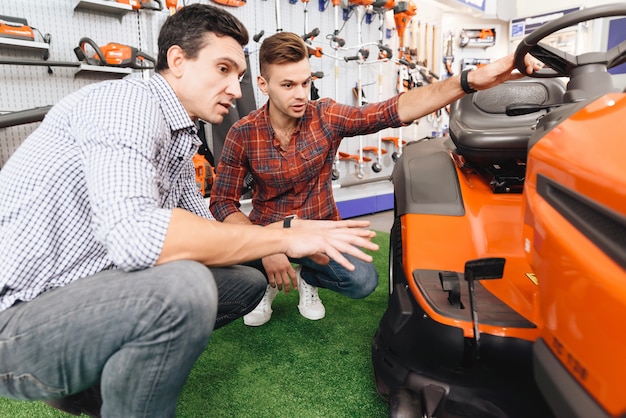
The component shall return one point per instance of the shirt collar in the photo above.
(175, 114)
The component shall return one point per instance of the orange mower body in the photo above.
(507, 258)
(574, 232)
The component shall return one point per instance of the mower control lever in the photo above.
(481, 269)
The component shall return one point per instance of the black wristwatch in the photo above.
(288, 219)
(465, 84)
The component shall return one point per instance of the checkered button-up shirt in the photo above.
(93, 187)
(298, 180)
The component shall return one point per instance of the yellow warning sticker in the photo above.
(532, 278)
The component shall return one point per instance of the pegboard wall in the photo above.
(67, 21)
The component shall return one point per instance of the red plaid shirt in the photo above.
(297, 181)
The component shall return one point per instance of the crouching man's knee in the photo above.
(188, 291)
(366, 280)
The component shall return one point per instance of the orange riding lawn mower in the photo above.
(508, 250)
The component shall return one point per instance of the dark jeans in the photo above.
(240, 289)
(355, 284)
(137, 334)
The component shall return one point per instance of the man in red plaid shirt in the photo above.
(289, 146)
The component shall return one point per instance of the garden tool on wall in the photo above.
(143, 4)
(482, 38)
(279, 25)
(315, 75)
(403, 12)
(448, 57)
(336, 42)
(114, 55)
(384, 54)
(435, 49)
(232, 3)
(384, 4)
(361, 56)
(309, 36)
(172, 6)
(19, 29)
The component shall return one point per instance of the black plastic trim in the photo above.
(562, 392)
(601, 225)
(425, 180)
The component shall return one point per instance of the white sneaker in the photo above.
(310, 306)
(263, 311)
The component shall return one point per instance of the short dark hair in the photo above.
(281, 48)
(188, 26)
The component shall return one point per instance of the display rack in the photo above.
(23, 44)
(105, 70)
(102, 6)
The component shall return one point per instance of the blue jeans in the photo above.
(355, 284)
(136, 334)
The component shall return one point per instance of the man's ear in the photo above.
(262, 83)
(176, 59)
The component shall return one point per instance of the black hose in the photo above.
(22, 117)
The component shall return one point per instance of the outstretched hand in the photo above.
(500, 71)
(321, 240)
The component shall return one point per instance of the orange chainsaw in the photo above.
(114, 55)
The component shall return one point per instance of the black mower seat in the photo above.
(480, 128)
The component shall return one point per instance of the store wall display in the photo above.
(45, 70)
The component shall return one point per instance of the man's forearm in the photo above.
(214, 243)
(241, 219)
(191, 237)
(238, 218)
(422, 101)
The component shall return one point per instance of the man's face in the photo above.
(288, 87)
(209, 84)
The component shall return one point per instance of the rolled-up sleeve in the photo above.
(231, 171)
(119, 148)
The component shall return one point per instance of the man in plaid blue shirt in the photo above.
(105, 243)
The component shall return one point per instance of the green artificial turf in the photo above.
(289, 367)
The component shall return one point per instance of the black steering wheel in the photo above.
(562, 64)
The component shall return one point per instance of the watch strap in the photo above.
(287, 221)
(465, 84)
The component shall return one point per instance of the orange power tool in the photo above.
(115, 55)
(16, 28)
(143, 4)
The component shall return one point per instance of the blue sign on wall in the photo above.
(524, 26)
(477, 4)
(617, 33)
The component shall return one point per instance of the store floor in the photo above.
(381, 221)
